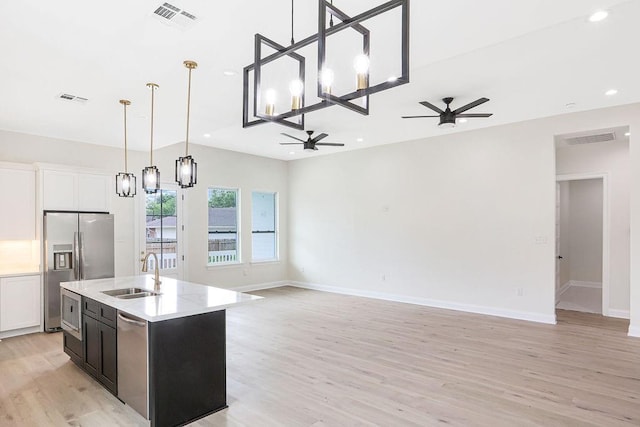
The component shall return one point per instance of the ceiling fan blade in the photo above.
(432, 107)
(297, 139)
(475, 115)
(291, 143)
(319, 137)
(416, 117)
(333, 144)
(470, 106)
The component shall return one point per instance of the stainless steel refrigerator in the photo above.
(77, 246)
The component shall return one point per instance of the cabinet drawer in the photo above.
(100, 312)
(91, 308)
(108, 315)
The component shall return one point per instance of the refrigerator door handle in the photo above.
(81, 246)
(76, 256)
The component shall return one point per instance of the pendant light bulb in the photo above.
(296, 87)
(361, 64)
(186, 172)
(270, 97)
(326, 79)
(125, 181)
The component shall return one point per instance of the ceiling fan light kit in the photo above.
(448, 117)
(362, 88)
(125, 181)
(186, 167)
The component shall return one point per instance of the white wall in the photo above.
(466, 219)
(29, 149)
(223, 168)
(612, 158)
(585, 230)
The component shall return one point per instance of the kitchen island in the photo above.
(164, 354)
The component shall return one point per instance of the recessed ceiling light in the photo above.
(360, 139)
(229, 73)
(570, 105)
(598, 16)
(462, 121)
(292, 152)
(627, 134)
(207, 135)
(611, 92)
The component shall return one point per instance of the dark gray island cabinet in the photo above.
(164, 355)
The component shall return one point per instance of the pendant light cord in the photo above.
(292, 41)
(125, 137)
(153, 89)
(188, 113)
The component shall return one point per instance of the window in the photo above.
(161, 228)
(223, 226)
(264, 243)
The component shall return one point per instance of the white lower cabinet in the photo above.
(19, 302)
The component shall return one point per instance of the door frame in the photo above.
(606, 230)
(140, 209)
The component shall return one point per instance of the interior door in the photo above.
(161, 230)
(558, 255)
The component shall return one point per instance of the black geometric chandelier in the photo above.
(259, 103)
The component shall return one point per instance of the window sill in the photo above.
(224, 265)
(265, 262)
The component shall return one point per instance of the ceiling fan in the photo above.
(310, 143)
(448, 117)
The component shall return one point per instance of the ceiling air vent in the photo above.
(72, 98)
(174, 16)
(590, 139)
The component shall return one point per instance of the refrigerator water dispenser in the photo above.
(62, 257)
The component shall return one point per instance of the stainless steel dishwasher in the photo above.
(133, 367)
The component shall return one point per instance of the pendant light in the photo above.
(125, 182)
(186, 167)
(151, 174)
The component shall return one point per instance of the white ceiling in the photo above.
(531, 57)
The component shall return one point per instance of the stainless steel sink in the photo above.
(129, 293)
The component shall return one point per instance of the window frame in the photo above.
(276, 226)
(238, 259)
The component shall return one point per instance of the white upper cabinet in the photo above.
(93, 192)
(18, 192)
(76, 191)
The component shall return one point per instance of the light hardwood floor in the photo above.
(307, 358)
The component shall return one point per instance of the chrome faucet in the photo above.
(145, 268)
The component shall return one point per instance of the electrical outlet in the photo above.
(301, 269)
(520, 292)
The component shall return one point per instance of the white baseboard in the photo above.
(469, 308)
(620, 314)
(583, 284)
(259, 286)
(562, 289)
(23, 331)
(634, 331)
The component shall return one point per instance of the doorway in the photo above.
(582, 236)
(162, 229)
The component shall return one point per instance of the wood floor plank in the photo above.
(308, 358)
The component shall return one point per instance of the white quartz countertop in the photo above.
(176, 299)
